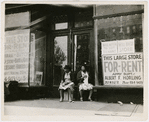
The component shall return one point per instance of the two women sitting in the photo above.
(67, 83)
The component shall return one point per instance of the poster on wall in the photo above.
(109, 47)
(118, 47)
(39, 76)
(123, 69)
(121, 65)
(125, 46)
(16, 55)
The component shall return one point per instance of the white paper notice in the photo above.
(123, 69)
(126, 46)
(109, 47)
(16, 58)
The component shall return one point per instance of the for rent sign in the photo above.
(16, 55)
(123, 69)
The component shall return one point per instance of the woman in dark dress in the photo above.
(67, 84)
(83, 78)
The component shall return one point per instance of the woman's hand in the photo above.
(61, 82)
(85, 76)
(65, 83)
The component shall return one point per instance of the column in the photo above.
(96, 51)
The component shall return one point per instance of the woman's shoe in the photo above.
(61, 100)
(71, 101)
(90, 99)
(81, 99)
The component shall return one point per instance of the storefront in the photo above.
(119, 42)
(57, 35)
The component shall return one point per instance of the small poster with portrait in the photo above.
(38, 79)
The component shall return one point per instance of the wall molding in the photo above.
(119, 14)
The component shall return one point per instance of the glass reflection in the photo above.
(60, 57)
(60, 50)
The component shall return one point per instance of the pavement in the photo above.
(52, 109)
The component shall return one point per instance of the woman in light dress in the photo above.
(83, 78)
(67, 84)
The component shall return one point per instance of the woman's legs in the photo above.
(90, 94)
(70, 92)
(81, 93)
(61, 95)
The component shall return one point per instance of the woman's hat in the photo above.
(67, 67)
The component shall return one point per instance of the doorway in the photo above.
(73, 50)
(60, 57)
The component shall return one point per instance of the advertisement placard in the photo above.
(123, 69)
(16, 55)
(126, 46)
(118, 47)
(109, 47)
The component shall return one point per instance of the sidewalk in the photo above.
(52, 107)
